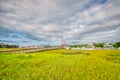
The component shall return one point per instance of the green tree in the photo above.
(99, 44)
(116, 44)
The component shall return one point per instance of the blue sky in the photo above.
(29, 22)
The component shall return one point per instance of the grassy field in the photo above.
(56, 65)
(7, 49)
(3, 49)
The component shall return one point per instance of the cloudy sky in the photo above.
(28, 22)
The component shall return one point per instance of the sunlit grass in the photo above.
(1, 49)
(55, 65)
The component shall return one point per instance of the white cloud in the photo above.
(62, 19)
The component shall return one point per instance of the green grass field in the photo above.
(3, 49)
(55, 65)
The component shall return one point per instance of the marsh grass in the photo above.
(54, 65)
(73, 53)
(114, 57)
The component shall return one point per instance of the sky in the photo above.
(39, 22)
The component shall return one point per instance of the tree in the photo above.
(2, 45)
(75, 46)
(116, 44)
(98, 45)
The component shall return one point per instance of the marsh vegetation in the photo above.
(54, 65)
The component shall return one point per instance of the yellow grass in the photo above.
(56, 65)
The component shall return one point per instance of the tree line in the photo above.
(2, 45)
(97, 45)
